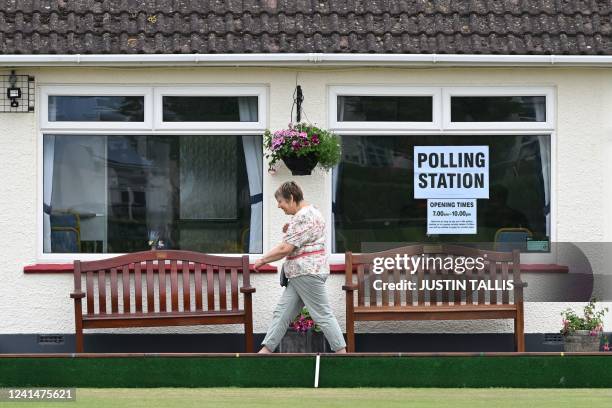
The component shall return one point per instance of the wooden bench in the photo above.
(363, 303)
(162, 273)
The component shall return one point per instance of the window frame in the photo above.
(490, 128)
(380, 90)
(112, 128)
(449, 92)
(77, 90)
(161, 91)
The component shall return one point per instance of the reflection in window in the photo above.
(68, 108)
(385, 108)
(498, 109)
(210, 108)
(109, 194)
(373, 190)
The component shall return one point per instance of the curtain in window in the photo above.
(253, 154)
(545, 144)
(48, 155)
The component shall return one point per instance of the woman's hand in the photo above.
(285, 227)
(258, 263)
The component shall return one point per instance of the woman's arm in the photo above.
(278, 252)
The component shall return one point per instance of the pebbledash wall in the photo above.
(581, 151)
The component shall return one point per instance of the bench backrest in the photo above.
(498, 266)
(163, 273)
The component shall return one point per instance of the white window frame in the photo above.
(379, 90)
(238, 90)
(73, 90)
(113, 128)
(489, 128)
(547, 92)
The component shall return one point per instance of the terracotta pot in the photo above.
(581, 340)
(301, 165)
(309, 342)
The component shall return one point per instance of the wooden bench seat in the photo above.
(162, 288)
(364, 303)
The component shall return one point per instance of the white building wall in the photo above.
(39, 303)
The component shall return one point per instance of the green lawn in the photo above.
(334, 397)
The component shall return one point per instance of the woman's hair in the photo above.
(289, 189)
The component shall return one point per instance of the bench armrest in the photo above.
(247, 289)
(77, 295)
(350, 288)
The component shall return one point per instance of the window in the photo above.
(373, 192)
(77, 107)
(108, 191)
(71, 108)
(360, 109)
(212, 108)
(499, 108)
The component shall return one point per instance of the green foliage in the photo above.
(302, 139)
(592, 320)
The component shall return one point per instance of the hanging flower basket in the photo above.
(301, 165)
(301, 147)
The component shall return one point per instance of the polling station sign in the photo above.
(451, 171)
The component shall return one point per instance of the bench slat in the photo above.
(150, 287)
(125, 278)
(505, 294)
(102, 291)
(371, 277)
(469, 295)
(481, 292)
(384, 277)
(234, 277)
(445, 273)
(174, 285)
(90, 293)
(114, 291)
(186, 287)
(397, 300)
(161, 281)
(210, 288)
(493, 278)
(361, 285)
(138, 286)
(222, 290)
(198, 285)
(420, 276)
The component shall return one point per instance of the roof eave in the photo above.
(302, 59)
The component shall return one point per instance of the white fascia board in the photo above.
(313, 59)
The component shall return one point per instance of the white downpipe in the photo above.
(304, 59)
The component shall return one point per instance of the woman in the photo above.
(306, 269)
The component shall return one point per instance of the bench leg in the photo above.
(79, 339)
(350, 334)
(248, 325)
(519, 330)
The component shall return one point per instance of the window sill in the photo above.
(525, 268)
(67, 268)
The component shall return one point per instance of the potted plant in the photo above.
(301, 147)
(303, 336)
(583, 333)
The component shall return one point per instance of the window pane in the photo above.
(200, 193)
(373, 200)
(498, 109)
(385, 108)
(210, 108)
(96, 108)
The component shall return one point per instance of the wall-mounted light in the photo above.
(13, 93)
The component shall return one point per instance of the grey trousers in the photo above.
(309, 291)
